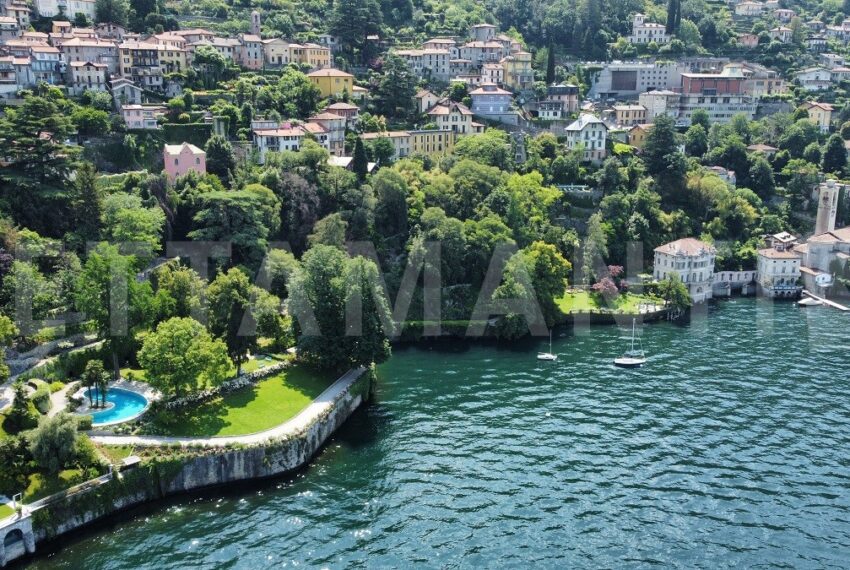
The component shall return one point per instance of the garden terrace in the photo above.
(268, 403)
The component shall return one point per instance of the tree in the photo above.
(90, 121)
(220, 160)
(550, 63)
(835, 155)
(360, 164)
(280, 266)
(211, 65)
(492, 147)
(126, 220)
(53, 442)
(112, 11)
(674, 16)
(391, 191)
(180, 357)
(108, 293)
(352, 21)
(8, 331)
(87, 204)
(696, 141)
(349, 306)
(93, 379)
(21, 416)
(330, 230)
(298, 96)
(179, 291)
(675, 293)
(761, 178)
(595, 248)
(229, 302)
(395, 91)
(548, 271)
(367, 341)
(662, 158)
(700, 117)
(32, 138)
(611, 178)
(244, 218)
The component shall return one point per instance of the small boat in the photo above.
(809, 302)
(548, 355)
(632, 358)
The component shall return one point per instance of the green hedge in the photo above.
(194, 133)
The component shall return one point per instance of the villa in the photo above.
(180, 159)
(692, 261)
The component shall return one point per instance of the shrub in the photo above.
(41, 398)
(55, 386)
(84, 423)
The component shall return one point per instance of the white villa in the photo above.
(692, 260)
(589, 132)
(644, 32)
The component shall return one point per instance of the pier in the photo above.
(832, 304)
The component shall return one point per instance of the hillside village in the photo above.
(156, 96)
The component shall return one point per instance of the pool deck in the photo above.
(294, 426)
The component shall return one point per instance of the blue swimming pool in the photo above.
(126, 405)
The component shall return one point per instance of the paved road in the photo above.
(292, 427)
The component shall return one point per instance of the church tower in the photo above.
(827, 206)
(255, 23)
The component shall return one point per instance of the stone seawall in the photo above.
(194, 468)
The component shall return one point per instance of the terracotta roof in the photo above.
(290, 132)
(686, 246)
(491, 89)
(342, 107)
(771, 253)
(327, 117)
(839, 234)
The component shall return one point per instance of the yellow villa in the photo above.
(332, 81)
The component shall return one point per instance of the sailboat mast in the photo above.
(633, 335)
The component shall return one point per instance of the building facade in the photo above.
(180, 159)
(692, 261)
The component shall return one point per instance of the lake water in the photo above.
(729, 448)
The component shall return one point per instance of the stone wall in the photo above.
(195, 469)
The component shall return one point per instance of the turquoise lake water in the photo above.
(730, 448)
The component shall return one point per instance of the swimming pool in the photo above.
(126, 405)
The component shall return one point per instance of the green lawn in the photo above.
(116, 453)
(137, 374)
(6, 511)
(41, 486)
(577, 301)
(270, 402)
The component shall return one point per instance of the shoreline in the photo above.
(183, 469)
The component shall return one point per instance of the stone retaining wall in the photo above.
(197, 469)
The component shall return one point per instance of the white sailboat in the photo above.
(632, 358)
(548, 355)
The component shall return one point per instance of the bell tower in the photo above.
(255, 23)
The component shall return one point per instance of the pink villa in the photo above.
(181, 158)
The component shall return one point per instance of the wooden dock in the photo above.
(827, 302)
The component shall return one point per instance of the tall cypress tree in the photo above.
(360, 163)
(674, 16)
(550, 63)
